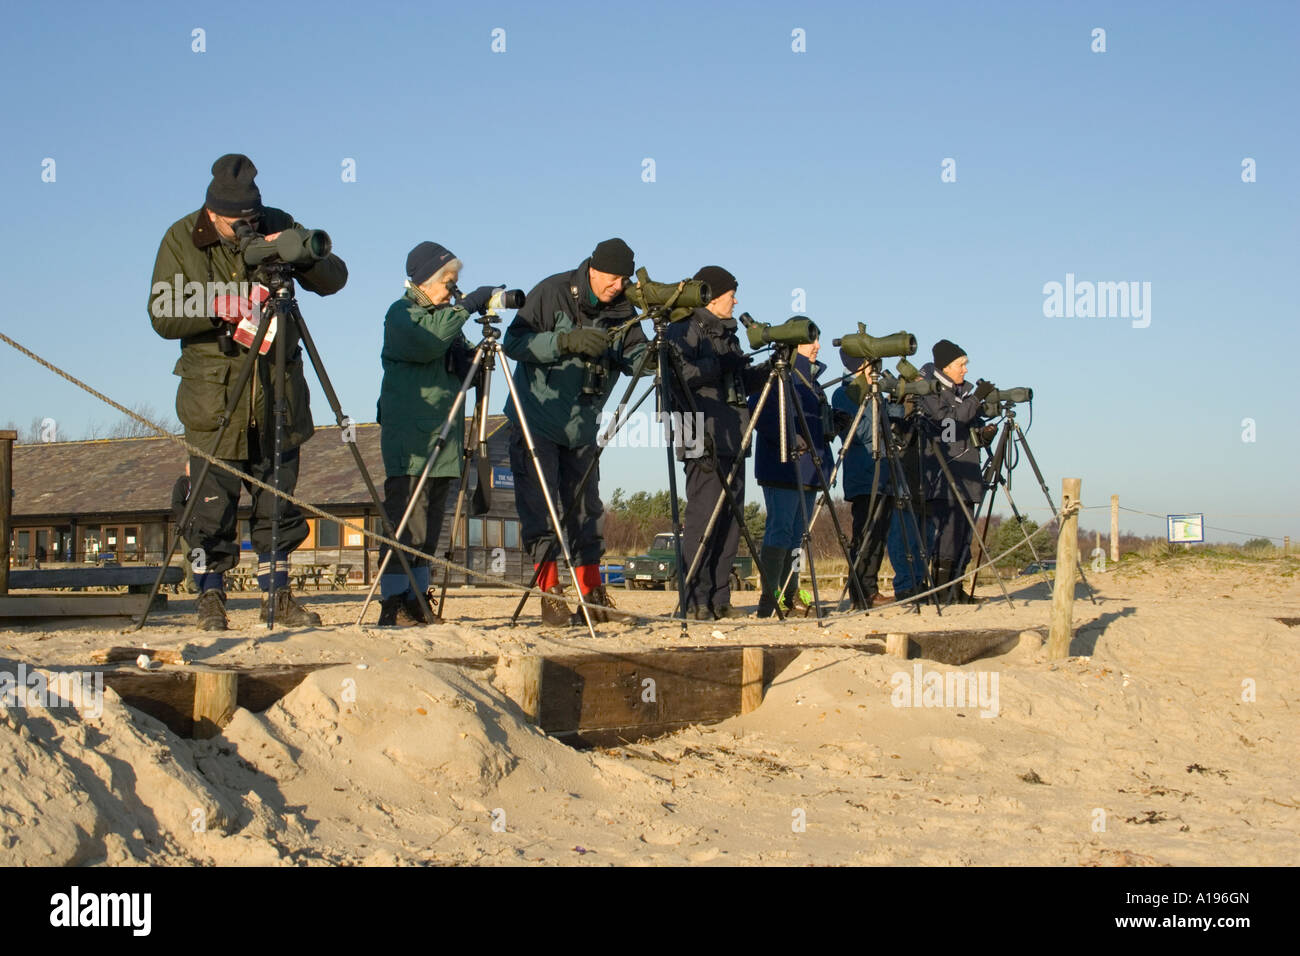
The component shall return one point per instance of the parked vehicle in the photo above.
(1036, 567)
(657, 568)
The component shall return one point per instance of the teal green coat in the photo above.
(417, 392)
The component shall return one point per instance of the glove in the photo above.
(583, 341)
(477, 301)
(987, 434)
(982, 389)
(731, 361)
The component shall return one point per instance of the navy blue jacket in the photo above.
(768, 468)
(955, 410)
(859, 464)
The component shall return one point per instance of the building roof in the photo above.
(136, 475)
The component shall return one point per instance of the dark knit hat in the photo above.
(945, 353)
(232, 191)
(614, 256)
(851, 362)
(719, 279)
(425, 260)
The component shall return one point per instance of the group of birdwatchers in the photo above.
(570, 321)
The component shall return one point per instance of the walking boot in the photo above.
(396, 611)
(943, 581)
(600, 595)
(288, 611)
(554, 611)
(770, 560)
(212, 610)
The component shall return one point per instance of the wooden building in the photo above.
(77, 502)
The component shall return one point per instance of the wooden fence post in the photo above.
(215, 694)
(1114, 529)
(1067, 564)
(7, 438)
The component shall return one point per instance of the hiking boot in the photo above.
(599, 595)
(289, 612)
(699, 614)
(801, 604)
(724, 611)
(554, 611)
(212, 611)
(397, 611)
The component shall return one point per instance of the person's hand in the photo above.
(477, 301)
(583, 341)
(982, 389)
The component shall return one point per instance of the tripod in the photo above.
(661, 317)
(780, 373)
(480, 376)
(902, 494)
(998, 473)
(283, 310)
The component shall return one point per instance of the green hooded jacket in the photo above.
(193, 263)
(418, 390)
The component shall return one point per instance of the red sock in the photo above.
(548, 576)
(588, 577)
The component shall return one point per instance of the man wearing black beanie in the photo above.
(200, 286)
(567, 363)
(948, 418)
(719, 376)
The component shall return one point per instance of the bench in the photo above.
(137, 579)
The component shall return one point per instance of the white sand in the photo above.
(1144, 732)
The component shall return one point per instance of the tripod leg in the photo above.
(603, 442)
(434, 452)
(1056, 515)
(830, 507)
(903, 501)
(676, 364)
(241, 383)
(546, 495)
(336, 406)
(961, 503)
(665, 406)
(765, 583)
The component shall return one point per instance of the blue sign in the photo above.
(503, 478)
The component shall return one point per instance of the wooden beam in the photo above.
(38, 606)
(135, 575)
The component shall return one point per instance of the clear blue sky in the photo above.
(817, 170)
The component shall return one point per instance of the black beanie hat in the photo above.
(945, 353)
(614, 256)
(851, 362)
(719, 279)
(426, 259)
(232, 191)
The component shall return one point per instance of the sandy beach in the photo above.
(1167, 738)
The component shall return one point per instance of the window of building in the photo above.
(327, 534)
(476, 532)
(512, 533)
(492, 535)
